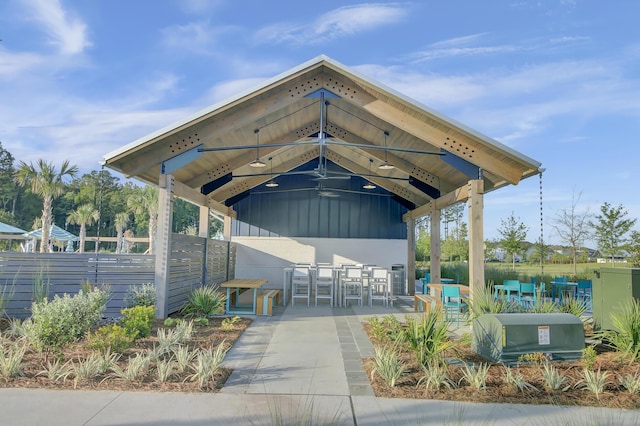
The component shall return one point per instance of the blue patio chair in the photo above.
(508, 288)
(426, 280)
(452, 303)
(528, 296)
(583, 292)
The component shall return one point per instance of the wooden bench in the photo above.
(424, 303)
(267, 299)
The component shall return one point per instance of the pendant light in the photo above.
(369, 184)
(257, 162)
(271, 183)
(385, 165)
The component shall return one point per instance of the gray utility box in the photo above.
(505, 337)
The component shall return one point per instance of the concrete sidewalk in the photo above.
(301, 366)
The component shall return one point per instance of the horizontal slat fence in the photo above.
(65, 272)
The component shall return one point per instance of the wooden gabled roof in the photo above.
(284, 115)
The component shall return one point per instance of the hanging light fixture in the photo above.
(271, 183)
(257, 162)
(369, 184)
(385, 165)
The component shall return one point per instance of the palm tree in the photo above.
(44, 180)
(146, 201)
(121, 222)
(83, 216)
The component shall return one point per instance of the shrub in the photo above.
(626, 337)
(11, 359)
(65, 319)
(137, 321)
(476, 376)
(436, 376)
(573, 305)
(6, 294)
(517, 380)
(227, 323)
(589, 357)
(387, 365)
(535, 358)
(171, 322)
(485, 303)
(427, 337)
(204, 302)
(142, 295)
(553, 379)
(207, 363)
(110, 337)
(201, 321)
(594, 381)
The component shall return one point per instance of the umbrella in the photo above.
(8, 229)
(56, 233)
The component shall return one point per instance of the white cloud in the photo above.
(463, 51)
(13, 65)
(457, 41)
(195, 37)
(226, 89)
(337, 23)
(65, 31)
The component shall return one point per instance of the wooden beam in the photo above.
(294, 158)
(249, 110)
(447, 140)
(196, 197)
(456, 196)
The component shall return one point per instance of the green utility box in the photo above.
(612, 287)
(505, 337)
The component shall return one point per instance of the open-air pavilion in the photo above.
(355, 164)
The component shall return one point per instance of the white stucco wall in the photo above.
(266, 257)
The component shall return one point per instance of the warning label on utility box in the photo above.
(543, 335)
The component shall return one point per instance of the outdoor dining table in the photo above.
(239, 285)
(559, 286)
(425, 284)
(505, 289)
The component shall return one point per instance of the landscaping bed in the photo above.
(528, 383)
(36, 371)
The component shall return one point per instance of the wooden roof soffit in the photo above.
(439, 134)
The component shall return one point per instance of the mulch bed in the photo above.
(204, 337)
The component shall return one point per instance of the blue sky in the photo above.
(557, 80)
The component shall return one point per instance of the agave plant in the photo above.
(204, 302)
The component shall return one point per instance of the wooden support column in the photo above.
(435, 246)
(204, 223)
(476, 235)
(411, 257)
(226, 228)
(163, 244)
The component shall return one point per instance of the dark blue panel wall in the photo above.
(296, 208)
